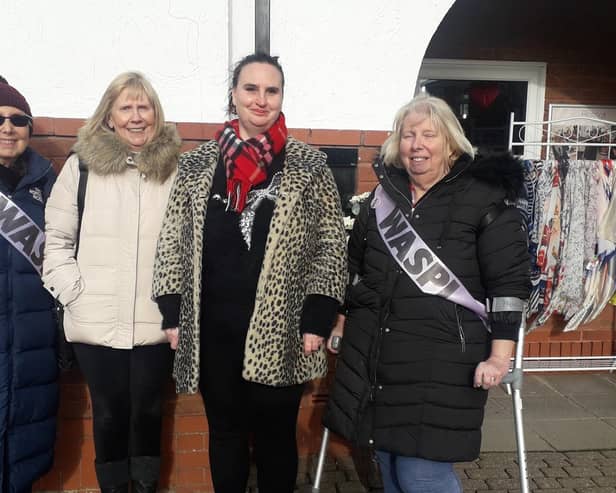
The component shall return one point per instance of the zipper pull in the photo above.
(462, 340)
(460, 331)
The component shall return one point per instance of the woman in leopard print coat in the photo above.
(250, 270)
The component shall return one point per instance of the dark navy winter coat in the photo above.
(28, 374)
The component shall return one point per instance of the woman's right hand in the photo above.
(337, 331)
(172, 337)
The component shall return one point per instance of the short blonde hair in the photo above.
(443, 120)
(137, 85)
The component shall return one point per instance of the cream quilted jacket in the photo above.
(106, 291)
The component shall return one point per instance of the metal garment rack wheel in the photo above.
(513, 383)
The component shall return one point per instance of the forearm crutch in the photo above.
(513, 382)
(316, 487)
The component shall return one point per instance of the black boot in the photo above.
(123, 488)
(144, 472)
(144, 486)
(112, 476)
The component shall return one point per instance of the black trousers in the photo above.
(237, 409)
(126, 388)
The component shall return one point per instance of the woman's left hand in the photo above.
(312, 343)
(173, 337)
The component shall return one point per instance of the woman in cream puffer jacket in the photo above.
(131, 157)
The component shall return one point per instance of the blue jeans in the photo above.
(403, 474)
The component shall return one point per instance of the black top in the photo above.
(230, 268)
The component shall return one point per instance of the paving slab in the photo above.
(600, 405)
(499, 436)
(587, 434)
(583, 383)
(499, 408)
(553, 407)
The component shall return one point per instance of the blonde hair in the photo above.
(443, 120)
(137, 86)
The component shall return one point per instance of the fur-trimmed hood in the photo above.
(106, 154)
(503, 170)
(500, 170)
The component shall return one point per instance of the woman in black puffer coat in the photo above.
(415, 368)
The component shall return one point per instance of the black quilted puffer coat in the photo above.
(404, 379)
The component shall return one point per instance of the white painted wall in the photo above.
(349, 64)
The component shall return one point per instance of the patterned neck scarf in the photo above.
(246, 161)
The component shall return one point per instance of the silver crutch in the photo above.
(513, 382)
(316, 487)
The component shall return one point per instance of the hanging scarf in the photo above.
(246, 161)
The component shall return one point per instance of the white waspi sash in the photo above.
(21, 232)
(425, 269)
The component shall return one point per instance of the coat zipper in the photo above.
(460, 330)
(379, 340)
(377, 355)
(140, 178)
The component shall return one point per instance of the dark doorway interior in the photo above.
(483, 108)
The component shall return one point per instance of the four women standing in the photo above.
(248, 273)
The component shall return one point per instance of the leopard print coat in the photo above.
(305, 254)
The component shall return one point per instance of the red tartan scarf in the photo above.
(246, 161)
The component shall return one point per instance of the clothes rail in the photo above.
(577, 132)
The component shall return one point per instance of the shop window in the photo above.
(490, 91)
(483, 108)
(343, 163)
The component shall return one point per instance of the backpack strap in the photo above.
(81, 199)
(491, 215)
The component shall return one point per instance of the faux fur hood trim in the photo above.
(105, 154)
(501, 170)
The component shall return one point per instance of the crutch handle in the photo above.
(513, 378)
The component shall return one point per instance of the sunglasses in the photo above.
(16, 120)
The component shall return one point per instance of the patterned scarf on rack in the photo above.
(246, 161)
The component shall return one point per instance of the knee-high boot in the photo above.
(112, 476)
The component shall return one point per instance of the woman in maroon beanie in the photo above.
(28, 375)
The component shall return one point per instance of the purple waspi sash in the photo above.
(421, 264)
(21, 232)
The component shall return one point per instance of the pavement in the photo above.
(570, 434)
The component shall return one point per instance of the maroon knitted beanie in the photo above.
(9, 96)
